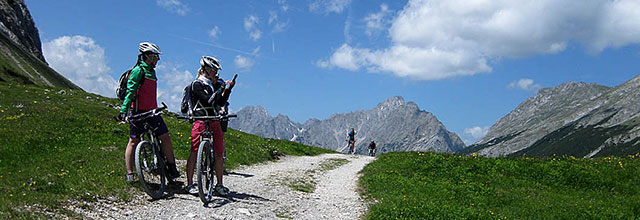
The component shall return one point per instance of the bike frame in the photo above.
(159, 160)
(155, 144)
(206, 136)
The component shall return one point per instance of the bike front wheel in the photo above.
(205, 171)
(150, 169)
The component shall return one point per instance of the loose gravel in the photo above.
(264, 191)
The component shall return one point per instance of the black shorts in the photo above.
(157, 124)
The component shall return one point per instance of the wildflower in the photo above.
(35, 102)
(474, 155)
(2, 110)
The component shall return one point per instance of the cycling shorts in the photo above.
(157, 124)
(218, 136)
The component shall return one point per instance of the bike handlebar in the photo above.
(211, 118)
(147, 114)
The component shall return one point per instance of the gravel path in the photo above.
(264, 191)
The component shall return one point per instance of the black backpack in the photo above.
(186, 105)
(121, 91)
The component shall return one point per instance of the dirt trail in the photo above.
(263, 191)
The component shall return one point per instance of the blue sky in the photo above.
(468, 62)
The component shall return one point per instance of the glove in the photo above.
(121, 117)
(222, 112)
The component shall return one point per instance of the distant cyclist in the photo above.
(372, 149)
(141, 96)
(209, 95)
(351, 138)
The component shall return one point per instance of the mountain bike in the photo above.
(151, 164)
(352, 144)
(205, 162)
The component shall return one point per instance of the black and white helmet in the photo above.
(147, 47)
(210, 62)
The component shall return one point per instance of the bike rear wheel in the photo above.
(150, 169)
(205, 171)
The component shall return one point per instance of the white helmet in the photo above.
(210, 62)
(147, 47)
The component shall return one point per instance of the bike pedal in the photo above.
(175, 182)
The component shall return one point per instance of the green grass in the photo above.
(67, 147)
(332, 163)
(416, 185)
(307, 181)
(306, 185)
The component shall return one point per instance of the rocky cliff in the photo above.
(17, 25)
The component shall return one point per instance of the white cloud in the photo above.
(81, 60)
(215, 32)
(277, 26)
(477, 131)
(347, 30)
(329, 6)
(438, 39)
(171, 83)
(474, 134)
(273, 17)
(175, 6)
(243, 63)
(417, 63)
(251, 26)
(377, 22)
(525, 84)
(283, 5)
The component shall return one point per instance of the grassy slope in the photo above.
(68, 147)
(10, 71)
(416, 185)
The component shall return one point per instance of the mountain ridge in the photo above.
(556, 119)
(387, 124)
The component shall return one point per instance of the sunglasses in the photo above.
(213, 71)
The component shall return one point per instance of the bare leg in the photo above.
(219, 166)
(129, 154)
(167, 148)
(191, 165)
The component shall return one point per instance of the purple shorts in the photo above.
(136, 129)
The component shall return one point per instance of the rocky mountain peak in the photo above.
(17, 25)
(392, 102)
(565, 88)
(256, 110)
